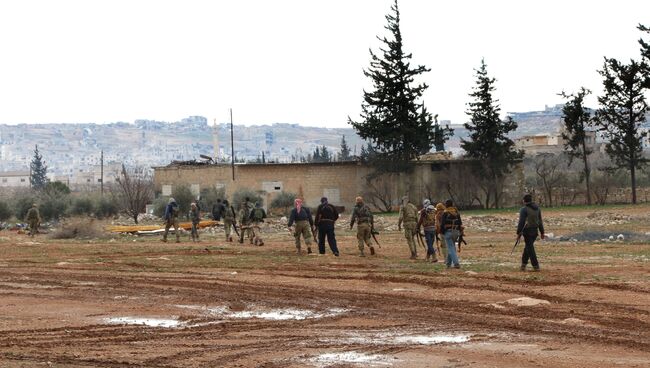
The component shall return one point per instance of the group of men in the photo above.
(442, 220)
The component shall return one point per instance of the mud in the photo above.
(217, 304)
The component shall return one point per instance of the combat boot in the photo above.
(413, 256)
(372, 251)
(308, 250)
(298, 250)
(361, 254)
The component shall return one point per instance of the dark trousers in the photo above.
(216, 216)
(529, 251)
(326, 229)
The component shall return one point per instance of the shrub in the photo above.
(5, 212)
(184, 197)
(105, 207)
(240, 195)
(209, 198)
(82, 206)
(284, 201)
(159, 205)
(53, 208)
(22, 204)
(78, 228)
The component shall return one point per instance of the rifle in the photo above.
(437, 241)
(234, 223)
(421, 241)
(461, 239)
(314, 230)
(517, 242)
(374, 232)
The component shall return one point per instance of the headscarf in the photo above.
(172, 200)
(426, 203)
(440, 207)
(298, 203)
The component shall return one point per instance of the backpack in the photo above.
(363, 213)
(175, 210)
(429, 219)
(258, 214)
(532, 218)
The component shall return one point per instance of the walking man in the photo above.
(195, 217)
(304, 223)
(427, 221)
(257, 216)
(33, 218)
(408, 215)
(365, 221)
(326, 216)
(450, 227)
(530, 222)
(171, 219)
(245, 222)
(228, 219)
(218, 210)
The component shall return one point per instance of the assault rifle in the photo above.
(461, 239)
(234, 222)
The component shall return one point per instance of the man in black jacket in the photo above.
(530, 221)
(326, 216)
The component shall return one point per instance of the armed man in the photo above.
(530, 222)
(304, 223)
(195, 217)
(326, 216)
(33, 218)
(245, 221)
(451, 226)
(365, 221)
(228, 219)
(171, 219)
(427, 221)
(218, 210)
(408, 215)
(257, 217)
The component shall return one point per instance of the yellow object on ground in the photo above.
(136, 228)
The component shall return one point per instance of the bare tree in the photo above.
(134, 191)
(548, 169)
(380, 192)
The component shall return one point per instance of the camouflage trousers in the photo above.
(410, 233)
(363, 235)
(227, 225)
(174, 223)
(302, 228)
(257, 233)
(246, 231)
(33, 227)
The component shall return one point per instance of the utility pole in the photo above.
(232, 147)
(101, 172)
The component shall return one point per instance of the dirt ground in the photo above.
(127, 301)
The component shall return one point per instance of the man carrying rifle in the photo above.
(450, 227)
(530, 221)
(326, 216)
(427, 221)
(245, 221)
(228, 219)
(408, 215)
(365, 222)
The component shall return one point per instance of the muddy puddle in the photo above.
(405, 338)
(275, 314)
(350, 357)
(149, 322)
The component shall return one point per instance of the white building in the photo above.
(14, 179)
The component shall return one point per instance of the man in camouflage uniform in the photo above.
(171, 219)
(245, 221)
(365, 221)
(257, 216)
(195, 217)
(228, 219)
(408, 215)
(33, 218)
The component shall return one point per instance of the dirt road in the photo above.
(137, 302)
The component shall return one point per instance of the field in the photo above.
(127, 301)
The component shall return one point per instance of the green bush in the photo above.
(5, 212)
(184, 197)
(284, 201)
(105, 207)
(53, 208)
(241, 194)
(159, 205)
(82, 206)
(22, 204)
(209, 198)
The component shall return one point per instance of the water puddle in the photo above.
(268, 314)
(149, 322)
(393, 338)
(350, 357)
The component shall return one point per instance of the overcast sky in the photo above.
(292, 61)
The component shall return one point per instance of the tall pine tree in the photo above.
(38, 169)
(344, 155)
(577, 120)
(622, 111)
(489, 143)
(392, 118)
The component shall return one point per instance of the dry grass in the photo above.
(78, 228)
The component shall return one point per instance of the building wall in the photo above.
(14, 179)
(341, 182)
